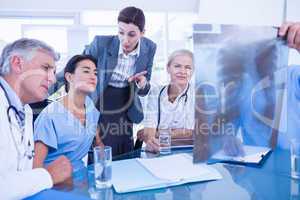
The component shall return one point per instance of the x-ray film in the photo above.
(237, 91)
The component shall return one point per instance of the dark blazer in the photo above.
(105, 50)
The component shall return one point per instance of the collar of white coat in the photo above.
(166, 95)
(13, 97)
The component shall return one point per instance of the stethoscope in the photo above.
(29, 152)
(158, 102)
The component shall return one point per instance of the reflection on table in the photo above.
(270, 181)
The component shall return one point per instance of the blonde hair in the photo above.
(180, 52)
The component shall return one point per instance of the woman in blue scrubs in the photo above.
(68, 126)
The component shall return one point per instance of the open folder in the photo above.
(254, 155)
(152, 173)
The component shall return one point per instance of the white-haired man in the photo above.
(27, 69)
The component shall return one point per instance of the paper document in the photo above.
(176, 147)
(176, 167)
(253, 154)
(152, 173)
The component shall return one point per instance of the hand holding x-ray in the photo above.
(291, 30)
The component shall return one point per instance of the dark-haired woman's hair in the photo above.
(72, 65)
(132, 15)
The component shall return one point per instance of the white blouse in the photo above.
(176, 115)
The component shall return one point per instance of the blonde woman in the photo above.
(172, 106)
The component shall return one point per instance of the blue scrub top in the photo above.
(254, 131)
(251, 103)
(291, 109)
(64, 134)
(293, 114)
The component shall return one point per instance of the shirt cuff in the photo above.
(45, 177)
(139, 87)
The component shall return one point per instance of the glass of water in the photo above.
(164, 141)
(295, 159)
(102, 166)
(295, 189)
(91, 184)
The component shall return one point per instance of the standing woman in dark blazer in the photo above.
(124, 64)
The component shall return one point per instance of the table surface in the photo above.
(272, 180)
